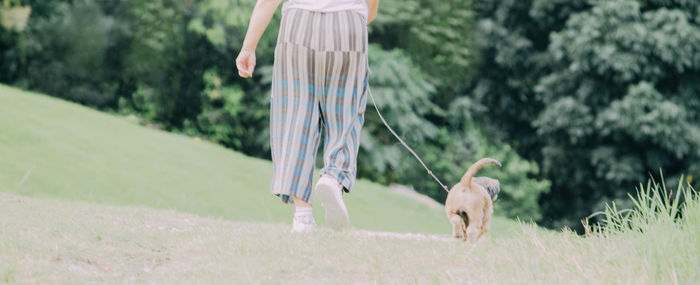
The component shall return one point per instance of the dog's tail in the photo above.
(467, 178)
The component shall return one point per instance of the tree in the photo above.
(600, 101)
(66, 52)
(437, 35)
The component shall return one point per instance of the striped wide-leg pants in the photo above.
(319, 79)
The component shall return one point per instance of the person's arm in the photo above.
(372, 6)
(262, 13)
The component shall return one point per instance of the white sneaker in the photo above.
(303, 224)
(329, 192)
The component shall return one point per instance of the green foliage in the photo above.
(13, 44)
(520, 186)
(435, 34)
(157, 54)
(224, 24)
(598, 101)
(403, 94)
(219, 120)
(12, 55)
(143, 102)
(94, 52)
(68, 51)
(237, 122)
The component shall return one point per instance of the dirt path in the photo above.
(404, 236)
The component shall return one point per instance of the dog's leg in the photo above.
(487, 220)
(457, 226)
(474, 227)
(486, 227)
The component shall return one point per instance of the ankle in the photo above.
(301, 203)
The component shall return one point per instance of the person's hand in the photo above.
(245, 62)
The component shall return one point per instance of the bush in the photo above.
(68, 53)
(219, 120)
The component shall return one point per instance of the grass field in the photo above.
(60, 242)
(87, 197)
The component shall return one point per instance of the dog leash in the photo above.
(404, 143)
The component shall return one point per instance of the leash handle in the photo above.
(404, 143)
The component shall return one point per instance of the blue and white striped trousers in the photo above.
(319, 79)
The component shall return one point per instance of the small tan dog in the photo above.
(469, 204)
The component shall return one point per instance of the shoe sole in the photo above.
(336, 213)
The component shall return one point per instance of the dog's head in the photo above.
(491, 185)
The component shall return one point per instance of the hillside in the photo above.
(53, 148)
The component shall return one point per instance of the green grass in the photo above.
(52, 148)
(59, 242)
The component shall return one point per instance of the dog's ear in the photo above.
(494, 189)
(491, 185)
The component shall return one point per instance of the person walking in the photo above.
(320, 75)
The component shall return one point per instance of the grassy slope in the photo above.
(52, 148)
(61, 242)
